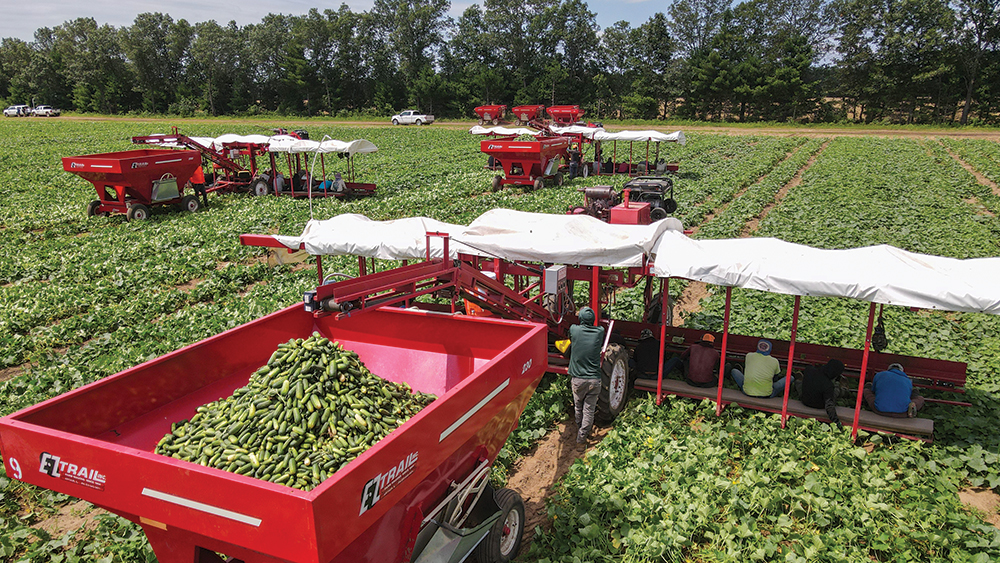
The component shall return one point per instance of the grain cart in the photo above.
(131, 182)
(565, 115)
(526, 114)
(420, 494)
(528, 163)
(491, 114)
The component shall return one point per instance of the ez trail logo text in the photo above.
(53, 466)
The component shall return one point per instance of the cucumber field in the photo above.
(87, 297)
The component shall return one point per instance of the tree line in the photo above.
(895, 61)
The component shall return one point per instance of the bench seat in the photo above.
(867, 419)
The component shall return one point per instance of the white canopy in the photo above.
(881, 274)
(562, 239)
(233, 138)
(503, 233)
(477, 130)
(357, 235)
(283, 143)
(351, 148)
(587, 132)
(655, 136)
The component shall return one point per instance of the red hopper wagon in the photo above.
(420, 494)
(132, 181)
(565, 115)
(528, 163)
(491, 114)
(527, 114)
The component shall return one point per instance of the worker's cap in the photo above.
(896, 367)
(833, 368)
(587, 316)
(708, 337)
(764, 347)
(646, 333)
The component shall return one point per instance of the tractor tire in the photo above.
(497, 182)
(559, 179)
(259, 187)
(657, 214)
(395, 122)
(92, 208)
(616, 383)
(418, 123)
(504, 540)
(190, 203)
(137, 212)
(539, 183)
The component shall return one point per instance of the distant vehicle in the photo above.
(45, 111)
(17, 111)
(411, 116)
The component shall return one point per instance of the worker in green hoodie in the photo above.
(586, 341)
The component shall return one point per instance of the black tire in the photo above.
(259, 187)
(92, 208)
(395, 122)
(616, 383)
(504, 540)
(137, 212)
(657, 214)
(560, 179)
(482, 122)
(670, 205)
(190, 203)
(418, 123)
(497, 182)
(539, 183)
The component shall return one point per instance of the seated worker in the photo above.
(575, 157)
(339, 185)
(647, 354)
(699, 363)
(820, 388)
(760, 371)
(891, 393)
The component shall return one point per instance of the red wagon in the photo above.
(491, 114)
(132, 181)
(401, 500)
(565, 115)
(528, 163)
(526, 114)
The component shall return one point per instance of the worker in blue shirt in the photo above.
(586, 341)
(891, 393)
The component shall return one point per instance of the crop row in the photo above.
(982, 155)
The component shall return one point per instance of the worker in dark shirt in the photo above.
(819, 388)
(586, 341)
(575, 157)
(700, 362)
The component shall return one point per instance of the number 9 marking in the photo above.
(16, 467)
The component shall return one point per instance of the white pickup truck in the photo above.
(411, 116)
(45, 111)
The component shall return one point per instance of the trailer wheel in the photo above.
(92, 208)
(504, 540)
(259, 187)
(616, 383)
(137, 212)
(190, 203)
(497, 182)
(539, 183)
(585, 169)
(559, 178)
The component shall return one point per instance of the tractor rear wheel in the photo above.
(497, 182)
(190, 203)
(616, 383)
(92, 208)
(539, 183)
(259, 187)
(138, 212)
(504, 540)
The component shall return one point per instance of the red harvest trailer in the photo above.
(131, 182)
(527, 114)
(491, 114)
(398, 501)
(528, 163)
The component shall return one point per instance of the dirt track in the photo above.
(775, 130)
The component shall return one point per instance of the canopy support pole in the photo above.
(319, 268)
(595, 293)
(647, 157)
(791, 358)
(864, 370)
(362, 270)
(722, 357)
(664, 285)
(631, 159)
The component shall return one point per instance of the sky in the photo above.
(21, 19)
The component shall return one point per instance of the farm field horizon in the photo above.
(88, 297)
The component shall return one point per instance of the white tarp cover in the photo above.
(881, 274)
(562, 239)
(477, 130)
(357, 146)
(655, 136)
(233, 138)
(587, 132)
(357, 235)
(283, 143)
